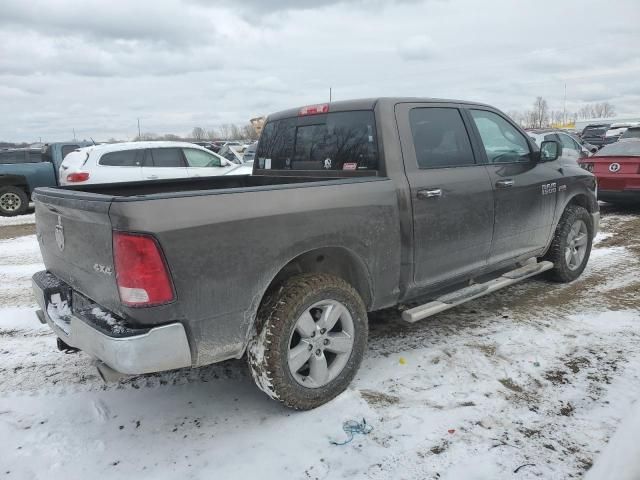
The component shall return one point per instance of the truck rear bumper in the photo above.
(105, 337)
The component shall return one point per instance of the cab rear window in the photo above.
(330, 141)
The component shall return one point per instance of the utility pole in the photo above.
(329, 94)
(564, 107)
(74, 134)
(139, 135)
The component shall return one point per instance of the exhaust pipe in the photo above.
(108, 374)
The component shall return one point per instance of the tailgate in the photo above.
(75, 240)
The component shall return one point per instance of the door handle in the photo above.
(152, 177)
(505, 183)
(430, 193)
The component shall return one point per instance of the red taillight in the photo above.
(314, 109)
(78, 177)
(141, 272)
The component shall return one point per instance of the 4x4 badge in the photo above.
(60, 234)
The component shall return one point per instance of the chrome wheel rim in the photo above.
(320, 344)
(10, 202)
(576, 248)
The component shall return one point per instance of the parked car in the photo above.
(595, 133)
(615, 131)
(354, 206)
(138, 161)
(249, 153)
(218, 144)
(23, 170)
(631, 132)
(233, 153)
(572, 150)
(617, 167)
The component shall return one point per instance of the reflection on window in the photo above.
(502, 141)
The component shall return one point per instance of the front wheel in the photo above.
(310, 339)
(571, 244)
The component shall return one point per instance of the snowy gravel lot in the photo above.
(530, 382)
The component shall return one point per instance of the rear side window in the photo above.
(167, 157)
(124, 158)
(333, 141)
(440, 138)
(67, 149)
(624, 148)
(34, 157)
(631, 133)
(12, 157)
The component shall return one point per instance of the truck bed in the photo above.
(204, 185)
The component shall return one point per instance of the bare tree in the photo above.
(198, 133)
(540, 113)
(212, 134)
(225, 130)
(248, 132)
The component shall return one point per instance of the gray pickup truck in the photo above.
(352, 207)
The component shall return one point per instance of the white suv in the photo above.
(137, 161)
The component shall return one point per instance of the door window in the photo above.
(123, 158)
(502, 142)
(198, 158)
(568, 142)
(167, 157)
(440, 138)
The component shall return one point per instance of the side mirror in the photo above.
(550, 151)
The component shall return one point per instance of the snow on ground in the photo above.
(530, 382)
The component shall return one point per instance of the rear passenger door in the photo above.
(451, 194)
(167, 162)
(525, 189)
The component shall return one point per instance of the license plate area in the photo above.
(58, 299)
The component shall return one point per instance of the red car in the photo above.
(617, 167)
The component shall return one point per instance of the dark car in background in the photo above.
(617, 168)
(595, 133)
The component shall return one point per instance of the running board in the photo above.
(465, 294)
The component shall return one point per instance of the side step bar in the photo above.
(465, 294)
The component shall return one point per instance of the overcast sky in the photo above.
(98, 65)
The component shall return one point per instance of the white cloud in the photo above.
(99, 65)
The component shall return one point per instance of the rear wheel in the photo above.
(571, 245)
(13, 201)
(310, 340)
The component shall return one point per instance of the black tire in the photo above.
(268, 349)
(561, 271)
(13, 201)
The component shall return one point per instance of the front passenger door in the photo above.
(206, 164)
(524, 188)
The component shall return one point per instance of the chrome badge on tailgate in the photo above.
(60, 234)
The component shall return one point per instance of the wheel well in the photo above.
(15, 181)
(582, 200)
(332, 260)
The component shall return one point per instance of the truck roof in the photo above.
(369, 104)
